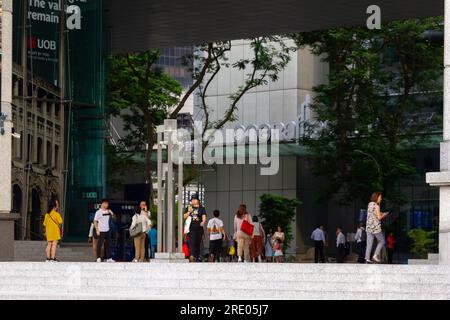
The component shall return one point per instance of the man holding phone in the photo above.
(101, 225)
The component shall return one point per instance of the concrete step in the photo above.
(30, 280)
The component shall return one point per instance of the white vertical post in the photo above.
(180, 198)
(159, 201)
(6, 108)
(6, 217)
(170, 126)
(442, 179)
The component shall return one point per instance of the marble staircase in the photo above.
(30, 280)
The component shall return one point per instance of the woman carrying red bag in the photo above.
(243, 231)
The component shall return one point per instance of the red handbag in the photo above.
(247, 227)
(185, 248)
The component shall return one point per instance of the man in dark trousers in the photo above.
(340, 245)
(197, 214)
(318, 236)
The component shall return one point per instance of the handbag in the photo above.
(186, 250)
(187, 225)
(247, 227)
(136, 230)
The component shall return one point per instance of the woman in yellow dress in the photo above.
(53, 226)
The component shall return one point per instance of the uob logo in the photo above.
(35, 43)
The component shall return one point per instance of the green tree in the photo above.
(270, 55)
(142, 95)
(423, 242)
(278, 211)
(363, 134)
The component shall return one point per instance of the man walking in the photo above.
(360, 238)
(216, 234)
(318, 236)
(101, 224)
(197, 213)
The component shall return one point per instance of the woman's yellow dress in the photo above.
(52, 223)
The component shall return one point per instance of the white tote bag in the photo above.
(187, 225)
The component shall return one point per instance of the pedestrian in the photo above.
(144, 209)
(278, 239)
(325, 246)
(269, 247)
(216, 234)
(373, 227)
(360, 238)
(390, 244)
(153, 237)
(53, 229)
(340, 245)
(102, 229)
(256, 245)
(140, 217)
(197, 214)
(318, 236)
(242, 237)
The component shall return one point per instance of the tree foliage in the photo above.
(142, 95)
(374, 109)
(278, 211)
(423, 242)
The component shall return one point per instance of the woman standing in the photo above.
(140, 216)
(197, 214)
(53, 229)
(268, 247)
(278, 240)
(373, 226)
(257, 241)
(242, 238)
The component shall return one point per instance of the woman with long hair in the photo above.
(53, 229)
(242, 238)
(373, 227)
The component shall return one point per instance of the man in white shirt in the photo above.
(340, 245)
(101, 224)
(360, 238)
(216, 234)
(318, 236)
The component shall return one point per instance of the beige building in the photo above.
(37, 152)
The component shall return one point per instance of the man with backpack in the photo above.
(360, 238)
(216, 234)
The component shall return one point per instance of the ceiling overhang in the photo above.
(137, 25)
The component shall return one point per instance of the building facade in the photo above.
(37, 169)
(286, 100)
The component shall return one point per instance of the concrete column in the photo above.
(6, 217)
(159, 201)
(442, 179)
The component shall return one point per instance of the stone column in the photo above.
(442, 179)
(6, 217)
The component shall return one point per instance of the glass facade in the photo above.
(85, 54)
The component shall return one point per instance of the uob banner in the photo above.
(43, 20)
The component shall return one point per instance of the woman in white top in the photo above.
(243, 239)
(373, 227)
(140, 216)
(268, 247)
